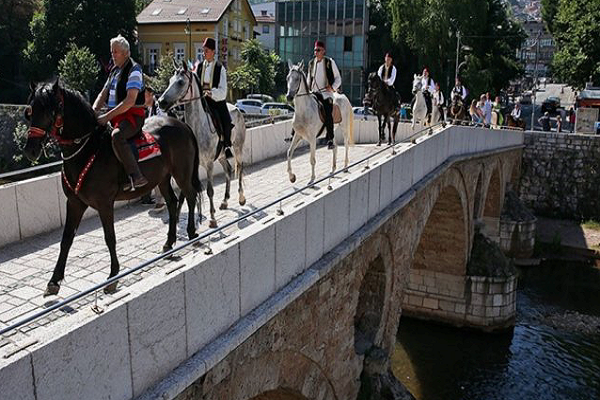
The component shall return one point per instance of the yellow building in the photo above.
(178, 26)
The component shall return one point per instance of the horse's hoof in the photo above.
(223, 206)
(52, 289)
(167, 247)
(112, 288)
(292, 178)
(378, 144)
(242, 200)
(192, 236)
(212, 223)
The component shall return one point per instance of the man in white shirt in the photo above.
(516, 112)
(387, 71)
(459, 90)
(214, 86)
(324, 78)
(438, 101)
(427, 87)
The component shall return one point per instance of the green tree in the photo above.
(428, 29)
(244, 78)
(79, 69)
(259, 63)
(160, 81)
(576, 32)
(549, 9)
(86, 23)
(14, 33)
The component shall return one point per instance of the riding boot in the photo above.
(328, 108)
(124, 154)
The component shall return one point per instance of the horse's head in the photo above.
(295, 78)
(374, 81)
(417, 83)
(45, 113)
(180, 89)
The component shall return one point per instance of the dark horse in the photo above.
(385, 103)
(516, 123)
(93, 177)
(457, 111)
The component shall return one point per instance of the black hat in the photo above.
(210, 43)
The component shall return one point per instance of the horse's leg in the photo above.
(227, 168)
(171, 201)
(389, 126)
(210, 191)
(290, 153)
(191, 195)
(379, 129)
(108, 226)
(75, 210)
(239, 169)
(313, 160)
(334, 157)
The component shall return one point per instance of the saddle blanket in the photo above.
(146, 146)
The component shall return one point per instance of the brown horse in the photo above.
(457, 112)
(93, 177)
(385, 103)
(516, 123)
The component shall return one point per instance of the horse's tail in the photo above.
(195, 177)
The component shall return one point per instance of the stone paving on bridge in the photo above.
(26, 266)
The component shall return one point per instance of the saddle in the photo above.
(337, 114)
(144, 146)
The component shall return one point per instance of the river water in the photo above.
(553, 352)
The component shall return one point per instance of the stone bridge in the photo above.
(294, 306)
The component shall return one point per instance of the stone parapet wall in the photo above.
(560, 175)
(475, 301)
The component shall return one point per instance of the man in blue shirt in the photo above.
(123, 94)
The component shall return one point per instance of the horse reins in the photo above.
(303, 80)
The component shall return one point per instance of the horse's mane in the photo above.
(78, 105)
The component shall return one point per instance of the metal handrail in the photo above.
(203, 235)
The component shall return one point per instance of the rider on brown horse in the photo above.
(123, 93)
(387, 73)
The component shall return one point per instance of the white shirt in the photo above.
(391, 79)
(487, 111)
(319, 83)
(220, 92)
(516, 113)
(438, 98)
(461, 91)
(427, 88)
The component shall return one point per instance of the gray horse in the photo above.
(184, 89)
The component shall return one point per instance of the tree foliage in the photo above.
(160, 81)
(14, 33)
(576, 32)
(549, 10)
(258, 70)
(426, 32)
(88, 23)
(79, 68)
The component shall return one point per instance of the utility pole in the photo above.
(188, 30)
(457, 51)
(537, 48)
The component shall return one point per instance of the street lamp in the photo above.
(537, 48)
(188, 31)
(458, 66)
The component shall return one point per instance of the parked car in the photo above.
(276, 109)
(361, 111)
(551, 104)
(262, 97)
(251, 106)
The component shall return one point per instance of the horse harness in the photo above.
(56, 134)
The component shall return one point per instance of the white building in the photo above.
(264, 30)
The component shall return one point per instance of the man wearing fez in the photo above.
(324, 78)
(214, 86)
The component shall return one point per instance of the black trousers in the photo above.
(328, 108)
(219, 109)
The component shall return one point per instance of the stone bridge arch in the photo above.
(494, 200)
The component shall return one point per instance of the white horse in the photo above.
(185, 89)
(306, 122)
(419, 111)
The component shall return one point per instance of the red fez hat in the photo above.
(319, 43)
(210, 43)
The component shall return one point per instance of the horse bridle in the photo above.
(189, 89)
(57, 130)
(302, 81)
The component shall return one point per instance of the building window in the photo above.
(247, 30)
(179, 51)
(265, 28)
(225, 27)
(152, 60)
(347, 43)
(199, 53)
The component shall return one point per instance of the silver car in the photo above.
(250, 106)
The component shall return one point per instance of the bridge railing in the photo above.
(207, 234)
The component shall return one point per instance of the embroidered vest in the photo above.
(328, 70)
(215, 78)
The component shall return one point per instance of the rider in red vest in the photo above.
(123, 93)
